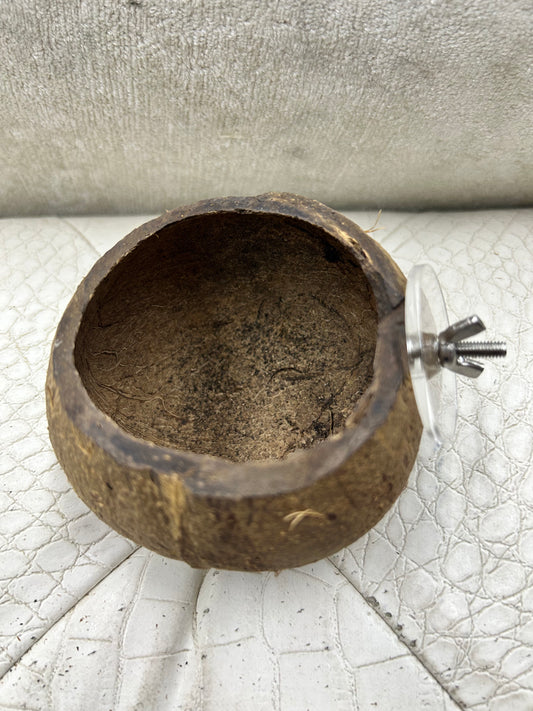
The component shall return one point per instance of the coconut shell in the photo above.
(229, 384)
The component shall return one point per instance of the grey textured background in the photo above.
(142, 105)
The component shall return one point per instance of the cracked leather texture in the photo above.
(432, 609)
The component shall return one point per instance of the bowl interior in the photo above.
(237, 335)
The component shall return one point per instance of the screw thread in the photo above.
(482, 349)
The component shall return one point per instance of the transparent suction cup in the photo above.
(437, 352)
(434, 386)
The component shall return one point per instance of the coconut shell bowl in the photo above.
(229, 384)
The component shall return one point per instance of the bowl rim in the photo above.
(206, 475)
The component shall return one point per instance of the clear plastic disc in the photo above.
(434, 386)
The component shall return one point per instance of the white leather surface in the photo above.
(123, 106)
(433, 609)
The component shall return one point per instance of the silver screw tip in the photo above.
(482, 349)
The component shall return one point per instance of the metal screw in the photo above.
(482, 349)
(452, 349)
